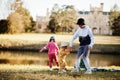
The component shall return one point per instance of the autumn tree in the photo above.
(15, 23)
(25, 17)
(21, 14)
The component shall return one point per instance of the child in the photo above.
(63, 52)
(53, 51)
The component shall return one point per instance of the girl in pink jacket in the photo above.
(53, 51)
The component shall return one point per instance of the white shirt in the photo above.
(83, 32)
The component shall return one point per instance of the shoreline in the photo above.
(98, 48)
(35, 41)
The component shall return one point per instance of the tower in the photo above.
(102, 6)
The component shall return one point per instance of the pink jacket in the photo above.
(52, 48)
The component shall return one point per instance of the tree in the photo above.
(16, 7)
(114, 20)
(15, 23)
(3, 26)
(23, 16)
(24, 13)
(32, 27)
(62, 19)
(116, 26)
(53, 24)
(54, 18)
(69, 15)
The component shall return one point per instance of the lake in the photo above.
(37, 58)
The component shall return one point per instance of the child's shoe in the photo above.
(51, 69)
(58, 67)
(61, 72)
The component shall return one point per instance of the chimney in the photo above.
(102, 5)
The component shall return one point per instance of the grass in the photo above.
(38, 72)
(34, 38)
(34, 41)
(19, 70)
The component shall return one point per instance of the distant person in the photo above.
(86, 40)
(64, 51)
(53, 51)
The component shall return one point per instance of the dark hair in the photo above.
(52, 38)
(80, 21)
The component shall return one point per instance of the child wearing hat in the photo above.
(64, 51)
(53, 51)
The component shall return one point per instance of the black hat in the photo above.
(80, 21)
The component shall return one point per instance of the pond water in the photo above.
(37, 58)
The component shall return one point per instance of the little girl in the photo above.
(53, 51)
(62, 56)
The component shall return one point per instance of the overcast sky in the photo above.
(39, 7)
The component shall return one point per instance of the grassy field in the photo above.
(38, 72)
(38, 38)
(33, 42)
(21, 67)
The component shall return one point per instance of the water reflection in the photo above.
(104, 60)
(42, 58)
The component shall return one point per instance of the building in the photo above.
(96, 18)
(42, 22)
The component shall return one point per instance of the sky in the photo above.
(39, 7)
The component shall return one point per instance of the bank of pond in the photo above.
(97, 48)
(38, 58)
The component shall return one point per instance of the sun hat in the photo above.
(80, 21)
(52, 37)
(63, 44)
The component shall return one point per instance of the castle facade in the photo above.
(96, 18)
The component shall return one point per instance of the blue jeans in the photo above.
(83, 53)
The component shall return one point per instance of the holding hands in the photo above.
(70, 48)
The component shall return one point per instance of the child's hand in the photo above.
(41, 50)
(70, 48)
